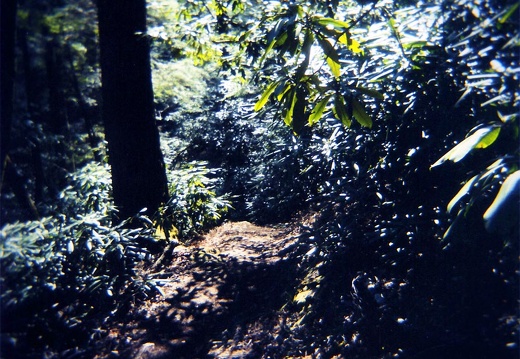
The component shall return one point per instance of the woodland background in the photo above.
(127, 131)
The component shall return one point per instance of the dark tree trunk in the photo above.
(138, 173)
(82, 105)
(56, 117)
(7, 40)
(8, 173)
(30, 76)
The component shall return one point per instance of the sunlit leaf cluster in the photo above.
(491, 78)
(308, 49)
(193, 205)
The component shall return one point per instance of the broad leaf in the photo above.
(417, 44)
(276, 36)
(340, 112)
(462, 192)
(489, 138)
(481, 138)
(290, 101)
(352, 44)
(265, 96)
(335, 67)
(318, 110)
(281, 90)
(302, 297)
(306, 51)
(332, 56)
(504, 209)
(327, 21)
(360, 114)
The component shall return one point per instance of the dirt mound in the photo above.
(220, 297)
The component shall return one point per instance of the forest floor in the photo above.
(223, 296)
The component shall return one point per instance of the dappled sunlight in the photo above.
(260, 179)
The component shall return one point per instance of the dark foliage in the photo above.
(388, 270)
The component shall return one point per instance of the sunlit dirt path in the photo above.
(221, 297)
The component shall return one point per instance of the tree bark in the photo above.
(7, 41)
(138, 173)
(56, 117)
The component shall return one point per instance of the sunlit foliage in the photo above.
(392, 121)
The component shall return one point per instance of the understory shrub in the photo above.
(194, 205)
(59, 272)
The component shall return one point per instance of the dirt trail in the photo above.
(221, 297)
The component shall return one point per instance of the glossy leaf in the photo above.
(290, 101)
(332, 56)
(327, 21)
(340, 111)
(481, 138)
(265, 96)
(360, 114)
(352, 44)
(504, 209)
(508, 14)
(462, 192)
(318, 110)
(489, 138)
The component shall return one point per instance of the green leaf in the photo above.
(419, 44)
(326, 21)
(274, 37)
(281, 39)
(360, 114)
(307, 42)
(265, 96)
(370, 92)
(305, 51)
(332, 56)
(505, 118)
(269, 48)
(318, 110)
(489, 138)
(282, 90)
(481, 138)
(508, 14)
(352, 44)
(340, 112)
(504, 209)
(335, 67)
(290, 101)
(462, 192)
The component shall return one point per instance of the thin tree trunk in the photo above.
(83, 107)
(56, 117)
(7, 41)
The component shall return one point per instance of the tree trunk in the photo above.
(138, 173)
(7, 41)
(56, 117)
